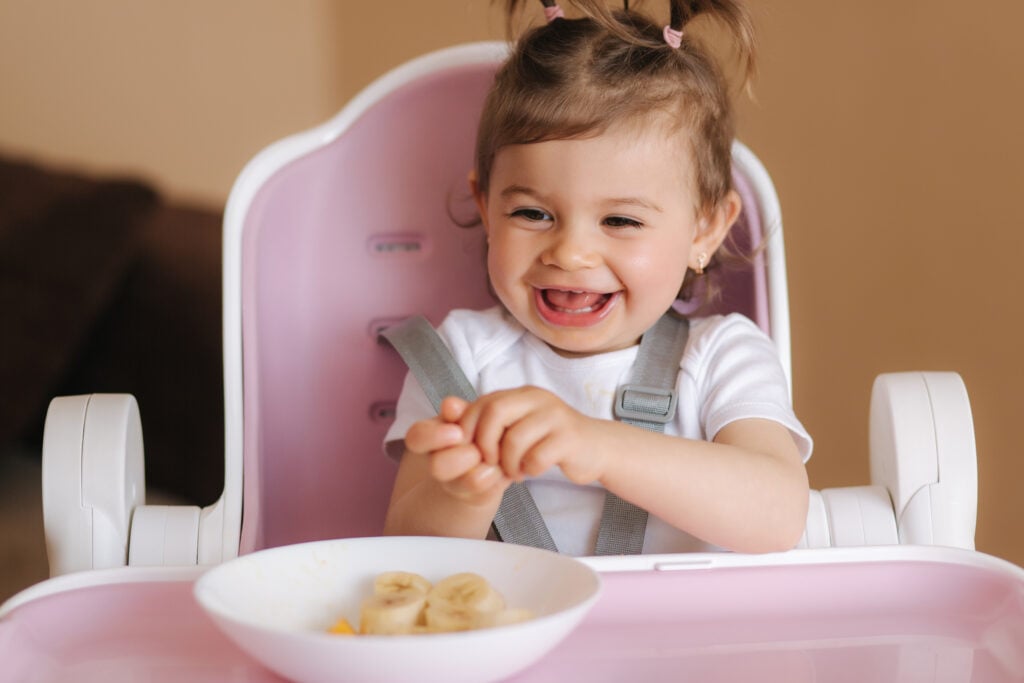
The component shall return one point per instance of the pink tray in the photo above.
(940, 616)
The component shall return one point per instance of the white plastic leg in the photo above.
(923, 453)
(93, 478)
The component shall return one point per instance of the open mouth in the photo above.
(574, 308)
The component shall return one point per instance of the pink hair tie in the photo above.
(673, 37)
(553, 12)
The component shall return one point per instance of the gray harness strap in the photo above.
(517, 520)
(649, 401)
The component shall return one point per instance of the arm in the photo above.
(746, 491)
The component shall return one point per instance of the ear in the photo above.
(714, 226)
(479, 197)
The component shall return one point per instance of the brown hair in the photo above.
(573, 78)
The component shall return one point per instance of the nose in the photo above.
(570, 249)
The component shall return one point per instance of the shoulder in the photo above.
(733, 333)
(725, 325)
(477, 337)
(731, 351)
(736, 374)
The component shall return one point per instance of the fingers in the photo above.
(520, 432)
(440, 432)
(479, 480)
(453, 460)
(449, 464)
(452, 408)
(461, 473)
(487, 419)
(528, 447)
(431, 435)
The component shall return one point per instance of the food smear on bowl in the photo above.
(342, 627)
(405, 603)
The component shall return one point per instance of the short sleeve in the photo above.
(738, 376)
(412, 406)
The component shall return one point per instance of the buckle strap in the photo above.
(649, 402)
(640, 403)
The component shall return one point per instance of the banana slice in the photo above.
(392, 613)
(406, 603)
(390, 582)
(445, 617)
(466, 590)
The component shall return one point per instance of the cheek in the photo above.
(506, 250)
(663, 259)
(501, 263)
(496, 251)
(660, 271)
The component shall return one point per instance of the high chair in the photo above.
(336, 233)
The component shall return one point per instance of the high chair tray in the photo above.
(869, 614)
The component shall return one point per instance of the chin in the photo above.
(566, 345)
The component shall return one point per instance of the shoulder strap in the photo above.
(649, 401)
(517, 520)
(429, 360)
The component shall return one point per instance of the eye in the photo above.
(622, 222)
(531, 214)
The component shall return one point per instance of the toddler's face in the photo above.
(589, 239)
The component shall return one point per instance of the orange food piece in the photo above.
(342, 628)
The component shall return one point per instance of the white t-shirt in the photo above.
(730, 371)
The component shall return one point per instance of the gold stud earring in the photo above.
(701, 260)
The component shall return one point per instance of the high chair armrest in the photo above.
(923, 452)
(94, 511)
(93, 478)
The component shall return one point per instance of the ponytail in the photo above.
(730, 14)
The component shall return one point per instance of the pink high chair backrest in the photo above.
(330, 235)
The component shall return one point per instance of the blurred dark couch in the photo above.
(107, 287)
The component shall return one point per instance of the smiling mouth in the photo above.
(566, 301)
(574, 308)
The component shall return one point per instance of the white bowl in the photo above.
(276, 604)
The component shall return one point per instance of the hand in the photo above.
(455, 462)
(528, 430)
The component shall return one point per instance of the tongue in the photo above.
(573, 301)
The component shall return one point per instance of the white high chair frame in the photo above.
(923, 486)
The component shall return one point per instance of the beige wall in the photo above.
(892, 130)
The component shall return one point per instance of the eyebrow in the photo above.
(636, 201)
(631, 201)
(519, 189)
